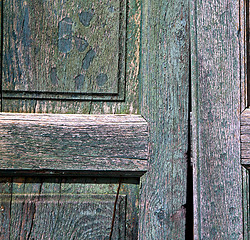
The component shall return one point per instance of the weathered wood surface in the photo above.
(244, 52)
(1, 57)
(53, 48)
(216, 83)
(245, 16)
(245, 138)
(246, 203)
(76, 216)
(131, 90)
(73, 142)
(165, 97)
(129, 106)
(61, 208)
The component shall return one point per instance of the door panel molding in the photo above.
(81, 216)
(72, 52)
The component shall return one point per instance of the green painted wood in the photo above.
(215, 43)
(131, 90)
(73, 142)
(77, 216)
(165, 98)
(133, 81)
(32, 186)
(53, 208)
(73, 50)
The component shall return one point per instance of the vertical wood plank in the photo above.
(215, 69)
(5, 208)
(165, 96)
(246, 210)
(1, 56)
(244, 51)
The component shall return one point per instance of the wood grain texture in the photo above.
(245, 138)
(60, 208)
(246, 6)
(73, 142)
(215, 68)
(70, 50)
(77, 216)
(5, 201)
(246, 206)
(57, 185)
(1, 58)
(165, 97)
(133, 79)
(132, 89)
(244, 51)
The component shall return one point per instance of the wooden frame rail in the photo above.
(90, 144)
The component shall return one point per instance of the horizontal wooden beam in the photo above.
(245, 138)
(66, 142)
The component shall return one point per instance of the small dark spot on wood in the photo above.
(179, 34)
(65, 28)
(65, 35)
(25, 30)
(231, 210)
(53, 76)
(101, 79)
(98, 210)
(79, 80)
(81, 44)
(64, 45)
(88, 59)
(86, 17)
(160, 214)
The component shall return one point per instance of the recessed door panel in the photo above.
(71, 49)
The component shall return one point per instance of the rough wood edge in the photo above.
(243, 54)
(81, 119)
(194, 119)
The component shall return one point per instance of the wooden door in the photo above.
(70, 176)
(64, 59)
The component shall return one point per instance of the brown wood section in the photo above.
(245, 138)
(73, 142)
